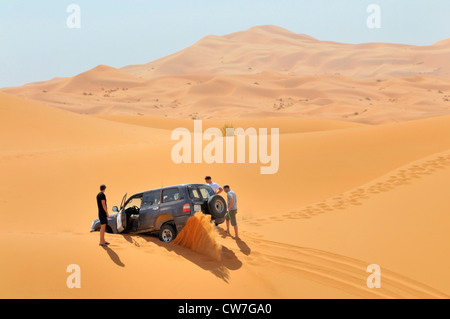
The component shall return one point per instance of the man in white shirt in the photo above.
(217, 189)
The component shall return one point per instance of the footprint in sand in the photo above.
(356, 197)
(354, 202)
(256, 224)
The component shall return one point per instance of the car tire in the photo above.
(167, 233)
(217, 206)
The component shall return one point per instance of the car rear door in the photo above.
(196, 198)
(173, 200)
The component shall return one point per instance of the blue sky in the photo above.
(36, 44)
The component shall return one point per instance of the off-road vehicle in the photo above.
(164, 210)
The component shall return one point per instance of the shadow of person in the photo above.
(114, 257)
(223, 233)
(245, 249)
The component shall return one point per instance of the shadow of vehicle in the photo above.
(221, 268)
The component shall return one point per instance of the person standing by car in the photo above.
(232, 211)
(102, 214)
(216, 188)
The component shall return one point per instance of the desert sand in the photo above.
(344, 198)
(352, 189)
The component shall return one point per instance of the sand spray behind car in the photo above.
(200, 236)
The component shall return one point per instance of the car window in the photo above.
(151, 199)
(170, 195)
(134, 201)
(194, 193)
(206, 191)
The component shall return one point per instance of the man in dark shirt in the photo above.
(102, 214)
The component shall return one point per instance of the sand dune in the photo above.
(289, 125)
(271, 48)
(265, 72)
(29, 126)
(346, 195)
(99, 76)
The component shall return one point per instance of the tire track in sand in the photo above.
(343, 273)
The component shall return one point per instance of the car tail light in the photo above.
(186, 208)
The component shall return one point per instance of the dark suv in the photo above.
(164, 210)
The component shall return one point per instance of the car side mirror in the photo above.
(115, 209)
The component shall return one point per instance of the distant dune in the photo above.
(265, 71)
(271, 48)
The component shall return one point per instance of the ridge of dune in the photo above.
(100, 78)
(272, 48)
(445, 42)
(288, 125)
(265, 34)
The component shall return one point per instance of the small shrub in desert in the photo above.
(224, 129)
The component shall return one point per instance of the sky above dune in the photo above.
(37, 43)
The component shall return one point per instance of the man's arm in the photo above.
(231, 203)
(219, 190)
(104, 207)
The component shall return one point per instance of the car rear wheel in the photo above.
(167, 233)
(217, 206)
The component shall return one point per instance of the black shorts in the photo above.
(103, 218)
